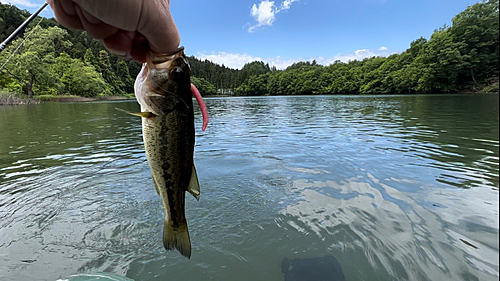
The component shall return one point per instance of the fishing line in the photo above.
(17, 49)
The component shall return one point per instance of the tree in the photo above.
(12, 18)
(89, 59)
(443, 61)
(77, 78)
(2, 26)
(254, 68)
(123, 74)
(477, 29)
(75, 43)
(463, 56)
(205, 87)
(108, 73)
(30, 67)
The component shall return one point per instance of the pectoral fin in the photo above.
(146, 115)
(194, 185)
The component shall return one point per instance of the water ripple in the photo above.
(396, 188)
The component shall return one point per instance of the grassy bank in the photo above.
(492, 87)
(8, 98)
(70, 98)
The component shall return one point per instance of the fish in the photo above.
(164, 91)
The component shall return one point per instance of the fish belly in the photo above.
(169, 144)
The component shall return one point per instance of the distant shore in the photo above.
(17, 99)
(85, 99)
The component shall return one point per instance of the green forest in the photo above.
(48, 59)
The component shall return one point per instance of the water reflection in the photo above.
(359, 216)
(395, 187)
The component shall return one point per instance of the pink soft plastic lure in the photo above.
(201, 104)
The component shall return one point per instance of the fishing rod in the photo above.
(21, 27)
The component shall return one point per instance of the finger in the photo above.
(159, 27)
(90, 18)
(64, 14)
(119, 44)
(124, 14)
(99, 30)
(127, 44)
(68, 7)
(140, 49)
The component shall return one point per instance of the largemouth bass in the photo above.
(164, 91)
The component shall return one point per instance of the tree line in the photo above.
(48, 59)
(462, 57)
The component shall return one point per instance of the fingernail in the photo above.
(119, 53)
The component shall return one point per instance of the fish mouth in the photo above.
(158, 60)
(175, 65)
(167, 68)
(157, 63)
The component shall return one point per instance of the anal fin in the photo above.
(194, 185)
(156, 186)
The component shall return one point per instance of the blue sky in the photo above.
(285, 31)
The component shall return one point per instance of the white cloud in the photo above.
(228, 59)
(361, 52)
(357, 55)
(25, 3)
(237, 61)
(287, 4)
(265, 12)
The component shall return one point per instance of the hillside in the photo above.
(56, 61)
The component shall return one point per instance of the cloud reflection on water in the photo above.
(357, 215)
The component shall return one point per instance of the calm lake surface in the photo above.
(394, 187)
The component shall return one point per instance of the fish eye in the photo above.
(176, 73)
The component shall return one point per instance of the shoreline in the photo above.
(85, 99)
(12, 100)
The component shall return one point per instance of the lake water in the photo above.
(394, 187)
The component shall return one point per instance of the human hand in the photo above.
(128, 28)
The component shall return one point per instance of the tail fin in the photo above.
(177, 238)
